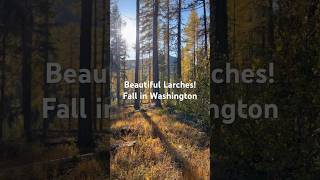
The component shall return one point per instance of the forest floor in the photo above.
(146, 144)
(152, 144)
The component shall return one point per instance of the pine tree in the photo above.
(95, 44)
(85, 136)
(179, 74)
(137, 90)
(192, 34)
(118, 48)
(155, 50)
(27, 26)
(103, 55)
(168, 42)
(46, 60)
(205, 28)
(219, 55)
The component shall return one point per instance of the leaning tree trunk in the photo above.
(155, 50)
(27, 25)
(136, 74)
(218, 59)
(85, 138)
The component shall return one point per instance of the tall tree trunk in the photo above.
(270, 25)
(3, 81)
(118, 64)
(219, 56)
(108, 83)
(46, 60)
(205, 28)
(168, 42)
(70, 85)
(85, 138)
(194, 53)
(124, 79)
(155, 50)
(149, 72)
(108, 59)
(27, 25)
(179, 75)
(136, 76)
(142, 73)
(103, 50)
(118, 69)
(94, 86)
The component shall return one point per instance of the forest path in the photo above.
(165, 147)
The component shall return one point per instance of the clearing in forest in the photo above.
(153, 145)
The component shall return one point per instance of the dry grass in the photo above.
(86, 170)
(154, 156)
(189, 142)
(150, 158)
(147, 159)
(30, 161)
(32, 164)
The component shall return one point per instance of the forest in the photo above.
(237, 96)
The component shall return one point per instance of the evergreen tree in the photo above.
(219, 52)
(155, 50)
(137, 90)
(85, 136)
(26, 46)
(192, 34)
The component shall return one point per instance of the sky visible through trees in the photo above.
(238, 101)
(128, 13)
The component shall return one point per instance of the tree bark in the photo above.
(27, 25)
(195, 53)
(3, 81)
(205, 28)
(118, 69)
(219, 56)
(270, 25)
(108, 56)
(103, 50)
(94, 86)
(179, 75)
(117, 59)
(70, 85)
(149, 72)
(155, 50)
(136, 75)
(85, 138)
(168, 42)
(108, 83)
(46, 60)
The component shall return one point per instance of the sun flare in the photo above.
(129, 33)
